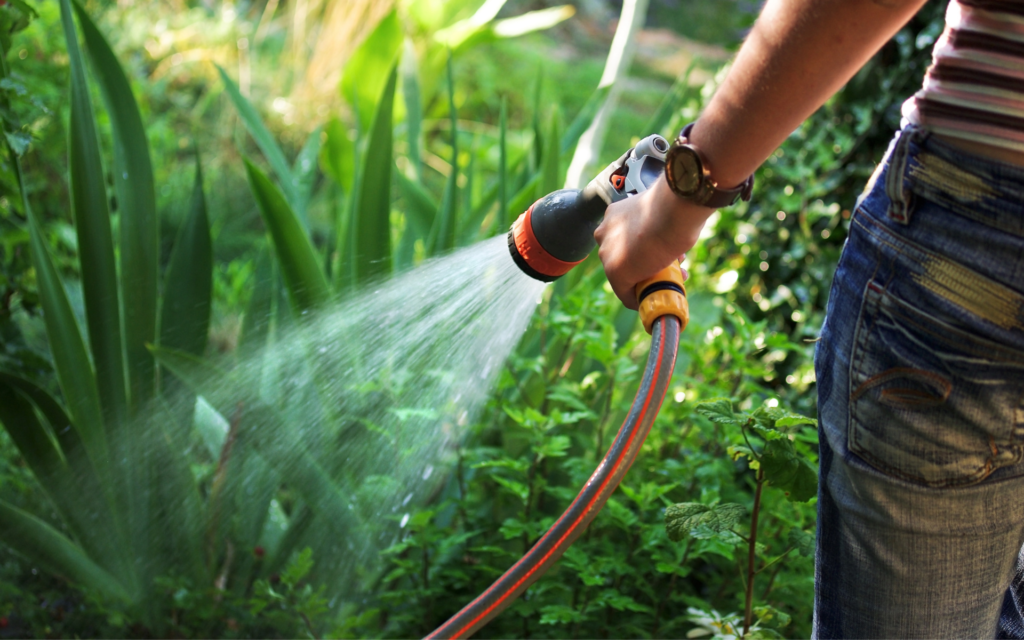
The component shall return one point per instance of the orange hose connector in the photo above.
(663, 294)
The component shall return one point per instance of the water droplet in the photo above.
(401, 525)
(125, 175)
(407, 499)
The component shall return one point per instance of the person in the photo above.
(920, 365)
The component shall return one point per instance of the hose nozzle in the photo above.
(557, 232)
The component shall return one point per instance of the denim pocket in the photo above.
(930, 402)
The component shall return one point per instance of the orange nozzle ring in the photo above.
(533, 253)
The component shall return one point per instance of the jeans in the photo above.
(920, 371)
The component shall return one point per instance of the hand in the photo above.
(642, 234)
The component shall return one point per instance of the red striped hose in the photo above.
(597, 490)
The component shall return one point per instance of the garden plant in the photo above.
(147, 261)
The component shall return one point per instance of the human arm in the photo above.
(797, 55)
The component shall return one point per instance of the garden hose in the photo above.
(664, 312)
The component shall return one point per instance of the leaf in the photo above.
(338, 154)
(551, 166)
(532, 21)
(256, 319)
(719, 410)
(19, 141)
(70, 358)
(553, 447)
(264, 140)
(305, 280)
(420, 210)
(793, 420)
(518, 489)
(136, 199)
(771, 617)
(682, 518)
(504, 216)
(803, 541)
(298, 568)
(370, 219)
(443, 232)
(785, 469)
(365, 75)
(560, 614)
(43, 544)
(304, 174)
(95, 242)
(409, 70)
(65, 475)
(188, 288)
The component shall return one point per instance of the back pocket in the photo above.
(930, 402)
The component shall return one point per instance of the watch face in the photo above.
(685, 170)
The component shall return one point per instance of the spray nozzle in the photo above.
(557, 232)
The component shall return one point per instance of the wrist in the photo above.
(676, 221)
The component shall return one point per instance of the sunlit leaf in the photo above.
(682, 518)
(338, 154)
(307, 285)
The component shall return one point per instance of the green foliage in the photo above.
(717, 514)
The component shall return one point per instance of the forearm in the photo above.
(797, 55)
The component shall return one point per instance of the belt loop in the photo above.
(899, 196)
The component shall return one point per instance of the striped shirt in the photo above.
(974, 88)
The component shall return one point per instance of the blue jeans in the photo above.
(920, 374)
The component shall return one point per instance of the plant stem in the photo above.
(752, 554)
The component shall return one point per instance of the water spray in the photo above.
(546, 242)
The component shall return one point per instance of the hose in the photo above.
(661, 361)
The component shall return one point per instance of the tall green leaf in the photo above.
(369, 227)
(365, 76)
(188, 289)
(420, 209)
(443, 232)
(136, 199)
(338, 154)
(304, 173)
(413, 107)
(264, 140)
(505, 217)
(305, 280)
(45, 545)
(256, 320)
(70, 484)
(95, 242)
(551, 165)
(70, 357)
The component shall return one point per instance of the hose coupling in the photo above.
(663, 294)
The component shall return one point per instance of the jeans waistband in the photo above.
(983, 189)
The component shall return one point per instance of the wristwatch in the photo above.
(688, 176)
